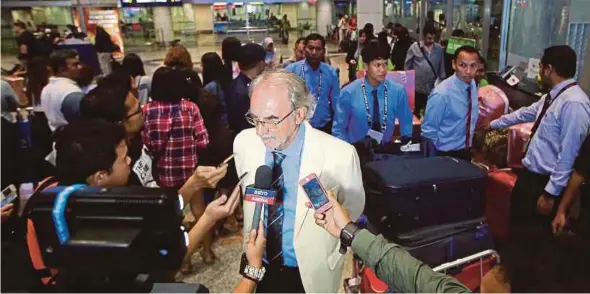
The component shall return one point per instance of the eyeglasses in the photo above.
(269, 124)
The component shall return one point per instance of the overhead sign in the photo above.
(149, 3)
(456, 43)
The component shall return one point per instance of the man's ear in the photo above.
(96, 178)
(300, 115)
(454, 66)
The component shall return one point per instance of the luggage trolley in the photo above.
(465, 270)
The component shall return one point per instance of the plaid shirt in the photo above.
(175, 132)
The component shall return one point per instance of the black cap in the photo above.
(251, 54)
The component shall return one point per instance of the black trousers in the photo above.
(523, 200)
(281, 279)
(461, 154)
(420, 103)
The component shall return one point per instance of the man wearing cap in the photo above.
(251, 62)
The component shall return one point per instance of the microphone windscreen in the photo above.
(263, 179)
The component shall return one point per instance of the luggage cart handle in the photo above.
(461, 261)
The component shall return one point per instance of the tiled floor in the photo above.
(223, 275)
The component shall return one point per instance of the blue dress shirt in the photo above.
(325, 96)
(291, 165)
(217, 90)
(238, 103)
(350, 117)
(445, 119)
(555, 145)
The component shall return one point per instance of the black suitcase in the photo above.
(405, 194)
(446, 243)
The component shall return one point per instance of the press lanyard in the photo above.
(319, 89)
(369, 115)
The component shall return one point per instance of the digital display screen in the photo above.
(456, 43)
(149, 3)
(315, 193)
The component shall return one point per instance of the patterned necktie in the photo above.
(376, 113)
(274, 228)
(468, 133)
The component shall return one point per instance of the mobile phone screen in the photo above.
(315, 193)
(8, 195)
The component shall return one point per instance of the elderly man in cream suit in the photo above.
(300, 256)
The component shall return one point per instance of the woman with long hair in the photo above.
(215, 81)
(133, 66)
(230, 48)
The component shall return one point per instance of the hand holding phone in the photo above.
(8, 195)
(318, 195)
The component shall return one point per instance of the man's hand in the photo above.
(559, 222)
(335, 219)
(255, 244)
(208, 176)
(545, 204)
(223, 207)
(7, 210)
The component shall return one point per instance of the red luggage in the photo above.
(497, 209)
(370, 283)
(493, 103)
(518, 139)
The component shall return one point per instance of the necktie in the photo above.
(468, 128)
(274, 228)
(376, 113)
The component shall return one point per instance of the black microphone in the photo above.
(261, 193)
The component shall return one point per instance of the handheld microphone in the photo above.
(260, 193)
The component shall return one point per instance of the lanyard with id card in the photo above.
(373, 134)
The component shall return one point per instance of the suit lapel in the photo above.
(254, 159)
(311, 162)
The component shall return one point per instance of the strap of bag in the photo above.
(427, 60)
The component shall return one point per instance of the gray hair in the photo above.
(298, 94)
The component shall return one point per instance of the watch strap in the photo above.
(348, 233)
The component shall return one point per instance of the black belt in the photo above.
(281, 268)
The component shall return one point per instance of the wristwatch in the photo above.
(249, 272)
(347, 236)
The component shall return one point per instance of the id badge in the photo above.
(143, 169)
(377, 136)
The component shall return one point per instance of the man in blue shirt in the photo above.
(562, 122)
(321, 81)
(452, 109)
(251, 61)
(369, 106)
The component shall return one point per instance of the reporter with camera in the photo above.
(392, 264)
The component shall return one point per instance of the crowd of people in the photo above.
(174, 129)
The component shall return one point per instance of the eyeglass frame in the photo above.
(274, 125)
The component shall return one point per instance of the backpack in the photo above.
(46, 275)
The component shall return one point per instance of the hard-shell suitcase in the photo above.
(518, 139)
(497, 211)
(405, 194)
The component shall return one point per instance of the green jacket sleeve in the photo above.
(398, 269)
